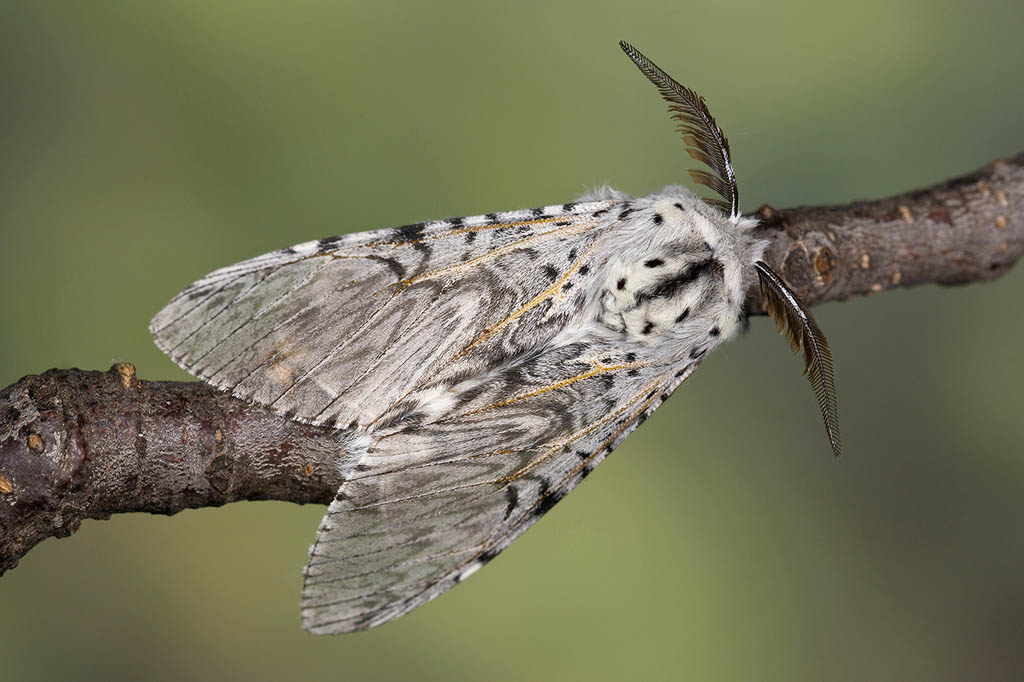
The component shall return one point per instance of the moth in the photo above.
(477, 369)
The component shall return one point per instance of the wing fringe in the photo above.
(796, 323)
(704, 140)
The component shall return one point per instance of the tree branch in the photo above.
(76, 445)
(967, 229)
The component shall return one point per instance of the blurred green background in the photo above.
(144, 144)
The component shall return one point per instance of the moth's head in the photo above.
(706, 143)
(680, 272)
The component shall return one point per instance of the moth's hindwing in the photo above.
(433, 348)
(430, 505)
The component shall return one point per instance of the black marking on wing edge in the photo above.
(328, 244)
(413, 233)
(549, 500)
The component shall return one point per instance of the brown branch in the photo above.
(76, 445)
(84, 445)
(963, 230)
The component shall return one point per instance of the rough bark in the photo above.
(76, 444)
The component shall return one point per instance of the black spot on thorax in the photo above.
(672, 284)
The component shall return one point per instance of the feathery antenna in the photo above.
(704, 140)
(802, 331)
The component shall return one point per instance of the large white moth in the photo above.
(477, 369)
